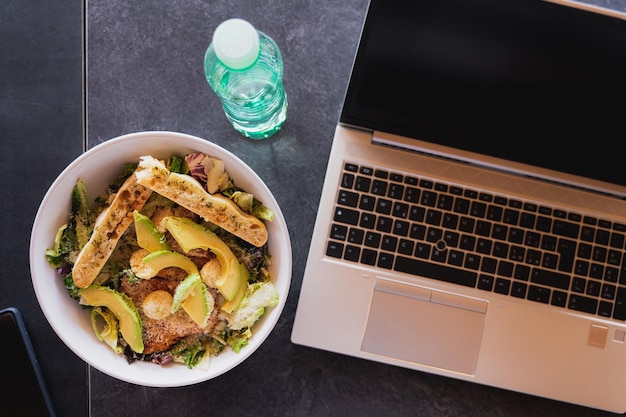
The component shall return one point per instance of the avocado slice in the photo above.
(184, 289)
(122, 307)
(191, 235)
(230, 305)
(199, 304)
(162, 259)
(148, 236)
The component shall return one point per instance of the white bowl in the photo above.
(98, 167)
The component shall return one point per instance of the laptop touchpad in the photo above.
(424, 326)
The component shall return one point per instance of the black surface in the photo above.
(144, 72)
(41, 129)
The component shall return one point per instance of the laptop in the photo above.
(472, 220)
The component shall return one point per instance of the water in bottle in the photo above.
(245, 69)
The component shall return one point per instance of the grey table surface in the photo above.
(76, 73)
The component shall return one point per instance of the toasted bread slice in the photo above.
(110, 226)
(189, 193)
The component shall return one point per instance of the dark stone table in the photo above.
(74, 74)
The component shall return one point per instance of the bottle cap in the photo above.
(236, 44)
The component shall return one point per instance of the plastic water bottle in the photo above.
(245, 69)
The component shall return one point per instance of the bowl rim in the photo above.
(53, 298)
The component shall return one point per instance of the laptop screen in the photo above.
(529, 81)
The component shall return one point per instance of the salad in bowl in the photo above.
(160, 258)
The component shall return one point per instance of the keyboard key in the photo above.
(466, 224)
(565, 229)
(381, 174)
(527, 220)
(422, 250)
(579, 284)
(433, 217)
(356, 235)
(428, 199)
(518, 289)
(505, 269)
(544, 224)
(396, 191)
(350, 167)
(502, 286)
(478, 209)
(445, 202)
(401, 228)
(461, 205)
(347, 180)
(483, 228)
(539, 294)
(510, 217)
(602, 237)
(485, 282)
(593, 288)
(617, 240)
(418, 231)
(338, 231)
(436, 271)
(605, 308)
(515, 235)
(566, 249)
(608, 291)
(582, 303)
(346, 216)
(372, 239)
(521, 272)
(587, 234)
(467, 242)
(550, 278)
(384, 224)
(383, 206)
(499, 231)
(619, 309)
(396, 177)
(385, 260)
(367, 221)
(362, 184)
(334, 249)
(455, 258)
(367, 202)
(368, 257)
(439, 255)
(348, 198)
(406, 247)
(412, 195)
(559, 298)
(434, 234)
(389, 243)
(450, 221)
(494, 213)
(352, 253)
(400, 210)
(472, 261)
(379, 188)
(417, 214)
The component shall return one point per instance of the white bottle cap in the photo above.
(236, 43)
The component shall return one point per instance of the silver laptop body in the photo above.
(467, 112)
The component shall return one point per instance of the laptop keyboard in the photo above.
(480, 240)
